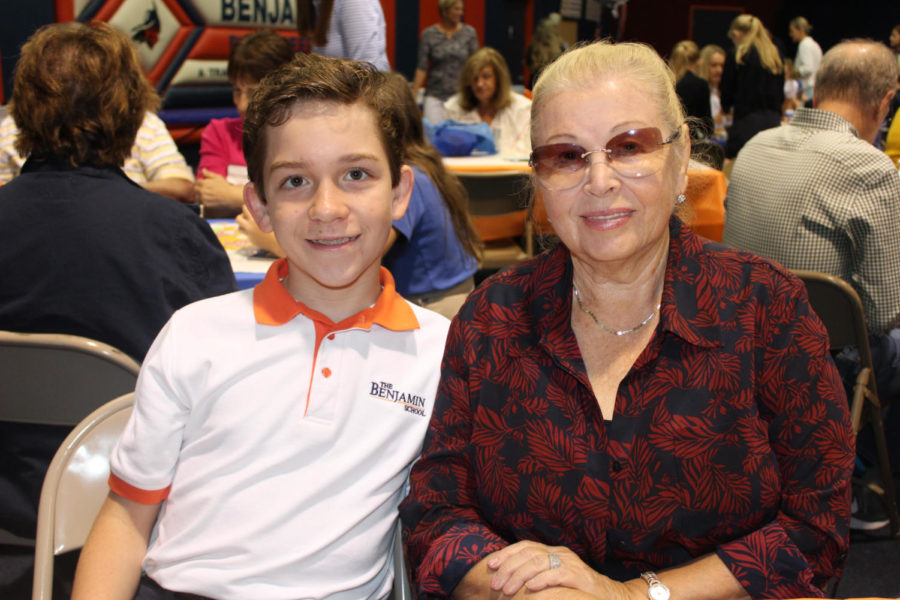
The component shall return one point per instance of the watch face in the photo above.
(658, 591)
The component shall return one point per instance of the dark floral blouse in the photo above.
(731, 432)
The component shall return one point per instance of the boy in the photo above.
(273, 430)
(222, 171)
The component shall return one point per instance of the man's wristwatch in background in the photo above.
(657, 590)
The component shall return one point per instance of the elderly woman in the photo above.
(485, 94)
(636, 411)
(443, 50)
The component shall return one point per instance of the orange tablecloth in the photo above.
(491, 164)
(705, 193)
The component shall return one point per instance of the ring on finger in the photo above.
(555, 563)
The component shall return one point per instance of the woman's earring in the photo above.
(680, 199)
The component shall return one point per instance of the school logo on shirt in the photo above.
(385, 391)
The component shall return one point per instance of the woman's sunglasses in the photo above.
(634, 153)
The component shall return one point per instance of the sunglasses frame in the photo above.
(586, 163)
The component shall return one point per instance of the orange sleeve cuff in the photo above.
(126, 490)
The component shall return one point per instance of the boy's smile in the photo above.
(330, 202)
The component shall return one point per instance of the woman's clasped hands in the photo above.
(542, 571)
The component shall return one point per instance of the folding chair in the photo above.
(402, 589)
(841, 310)
(498, 206)
(75, 488)
(57, 379)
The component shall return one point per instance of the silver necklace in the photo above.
(587, 311)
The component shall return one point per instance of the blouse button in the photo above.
(326, 372)
(330, 336)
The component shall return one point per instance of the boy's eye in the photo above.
(357, 175)
(294, 181)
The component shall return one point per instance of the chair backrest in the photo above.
(58, 379)
(494, 193)
(75, 487)
(840, 309)
(498, 204)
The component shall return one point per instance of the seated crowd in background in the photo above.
(88, 252)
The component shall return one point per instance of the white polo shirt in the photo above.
(280, 441)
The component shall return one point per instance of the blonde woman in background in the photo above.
(545, 47)
(712, 63)
(690, 87)
(752, 82)
(485, 95)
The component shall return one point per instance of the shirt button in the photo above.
(326, 372)
(330, 336)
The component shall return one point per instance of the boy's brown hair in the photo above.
(310, 77)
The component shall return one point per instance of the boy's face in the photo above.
(329, 198)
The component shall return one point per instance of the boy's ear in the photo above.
(257, 207)
(402, 192)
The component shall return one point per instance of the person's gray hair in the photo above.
(860, 71)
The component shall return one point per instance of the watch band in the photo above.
(656, 591)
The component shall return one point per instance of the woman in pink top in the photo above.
(222, 171)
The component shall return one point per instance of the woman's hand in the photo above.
(257, 236)
(214, 191)
(532, 565)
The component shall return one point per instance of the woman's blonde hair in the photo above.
(706, 55)
(587, 65)
(481, 58)
(756, 35)
(684, 55)
(546, 45)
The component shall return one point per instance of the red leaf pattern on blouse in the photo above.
(730, 433)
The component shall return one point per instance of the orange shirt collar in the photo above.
(273, 305)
